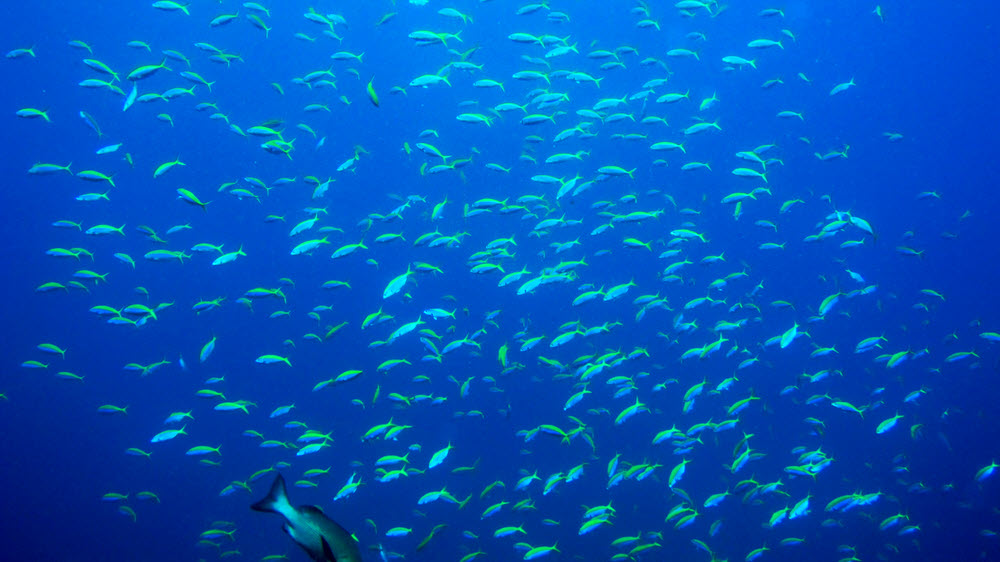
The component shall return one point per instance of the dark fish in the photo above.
(322, 538)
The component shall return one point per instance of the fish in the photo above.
(323, 539)
(132, 96)
(445, 219)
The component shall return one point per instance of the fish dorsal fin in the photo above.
(312, 509)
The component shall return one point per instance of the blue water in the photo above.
(924, 72)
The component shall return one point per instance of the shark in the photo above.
(321, 537)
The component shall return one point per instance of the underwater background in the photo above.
(809, 299)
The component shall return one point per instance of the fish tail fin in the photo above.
(275, 499)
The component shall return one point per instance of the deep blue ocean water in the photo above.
(924, 72)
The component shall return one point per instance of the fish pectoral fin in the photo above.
(327, 551)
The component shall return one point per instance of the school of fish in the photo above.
(596, 169)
